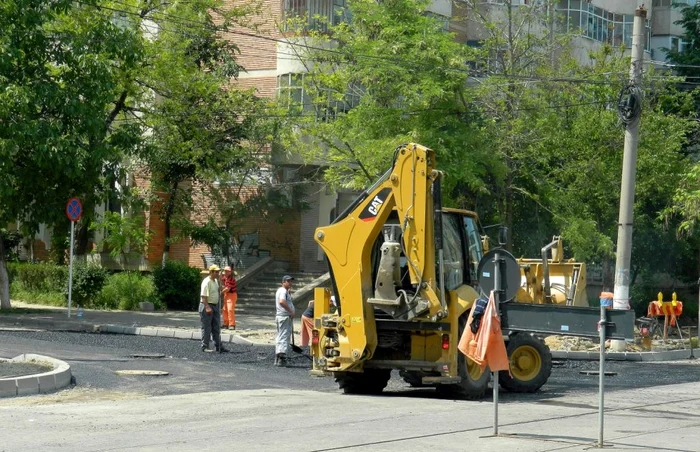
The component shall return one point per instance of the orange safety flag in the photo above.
(486, 347)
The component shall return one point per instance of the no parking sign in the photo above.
(74, 209)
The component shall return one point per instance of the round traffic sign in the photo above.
(509, 273)
(74, 209)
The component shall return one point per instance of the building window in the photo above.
(599, 24)
(318, 14)
(326, 104)
(669, 3)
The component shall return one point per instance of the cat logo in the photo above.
(375, 205)
(370, 212)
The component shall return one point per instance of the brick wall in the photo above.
(264, 86)
(257, 52)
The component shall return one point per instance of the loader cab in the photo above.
(461, 247)
(462, 251)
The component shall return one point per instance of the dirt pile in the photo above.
(568, 343)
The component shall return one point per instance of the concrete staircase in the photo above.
(257, 297)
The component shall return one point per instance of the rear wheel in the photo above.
(530, 364)
(475, 381)
(370, 381)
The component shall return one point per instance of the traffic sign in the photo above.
(74, 209)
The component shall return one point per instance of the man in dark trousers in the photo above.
(209, 312)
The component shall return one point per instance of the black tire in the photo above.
(415, 379)
(370, 381)
(530, 364)
(474, 381)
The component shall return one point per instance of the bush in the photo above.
(38, 283)
(177, 285)
(126, 290)
(11, 271)
(39, 277)
(88, 281)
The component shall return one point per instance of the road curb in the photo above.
(86, 327)
(53, 325)
(42, 383)
(667, 355)
(169, 333)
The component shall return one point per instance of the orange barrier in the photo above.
(671, 310)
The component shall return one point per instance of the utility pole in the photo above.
(629, 113)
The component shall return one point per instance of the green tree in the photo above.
(60, 66)
(391, 75)
(123, 235)
(528, 135)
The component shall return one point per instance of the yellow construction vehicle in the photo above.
(404, 273)
(552, 280)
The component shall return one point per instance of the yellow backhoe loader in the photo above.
(404, 273)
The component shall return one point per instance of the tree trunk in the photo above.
(169, 208)
(4, 280)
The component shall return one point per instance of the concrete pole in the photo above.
(629, 169)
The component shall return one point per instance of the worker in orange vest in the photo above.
(230, 293)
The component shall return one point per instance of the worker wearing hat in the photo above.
(209, 312)
(229, 291)
(284, 314)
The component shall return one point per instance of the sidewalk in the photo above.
(250, 329)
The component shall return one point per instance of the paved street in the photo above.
(239, 401)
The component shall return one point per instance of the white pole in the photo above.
(496, 288)
(629, 170)
(70, 266)
(601, 377)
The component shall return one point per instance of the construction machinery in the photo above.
(552, 280)
(404, 273)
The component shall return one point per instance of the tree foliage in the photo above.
(527, 132)
(389, 76)
(96, 87)
(60, 69)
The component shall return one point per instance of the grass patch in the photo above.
(19, 293)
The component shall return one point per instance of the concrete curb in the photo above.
(43, 383)
(669, 355)
(85, 327)
(170, 333)
(54, 325)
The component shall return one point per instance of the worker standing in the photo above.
(209, 310)
(284, 314)
(229, 291)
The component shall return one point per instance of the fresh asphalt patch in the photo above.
(94, 359)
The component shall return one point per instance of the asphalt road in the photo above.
(94, 358)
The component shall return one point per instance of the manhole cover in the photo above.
(148, 355)
(149, 373)
(595, 372)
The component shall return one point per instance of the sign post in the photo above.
(74, 210)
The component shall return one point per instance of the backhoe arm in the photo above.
(348, 244)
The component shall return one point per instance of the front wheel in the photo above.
(530, 364)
